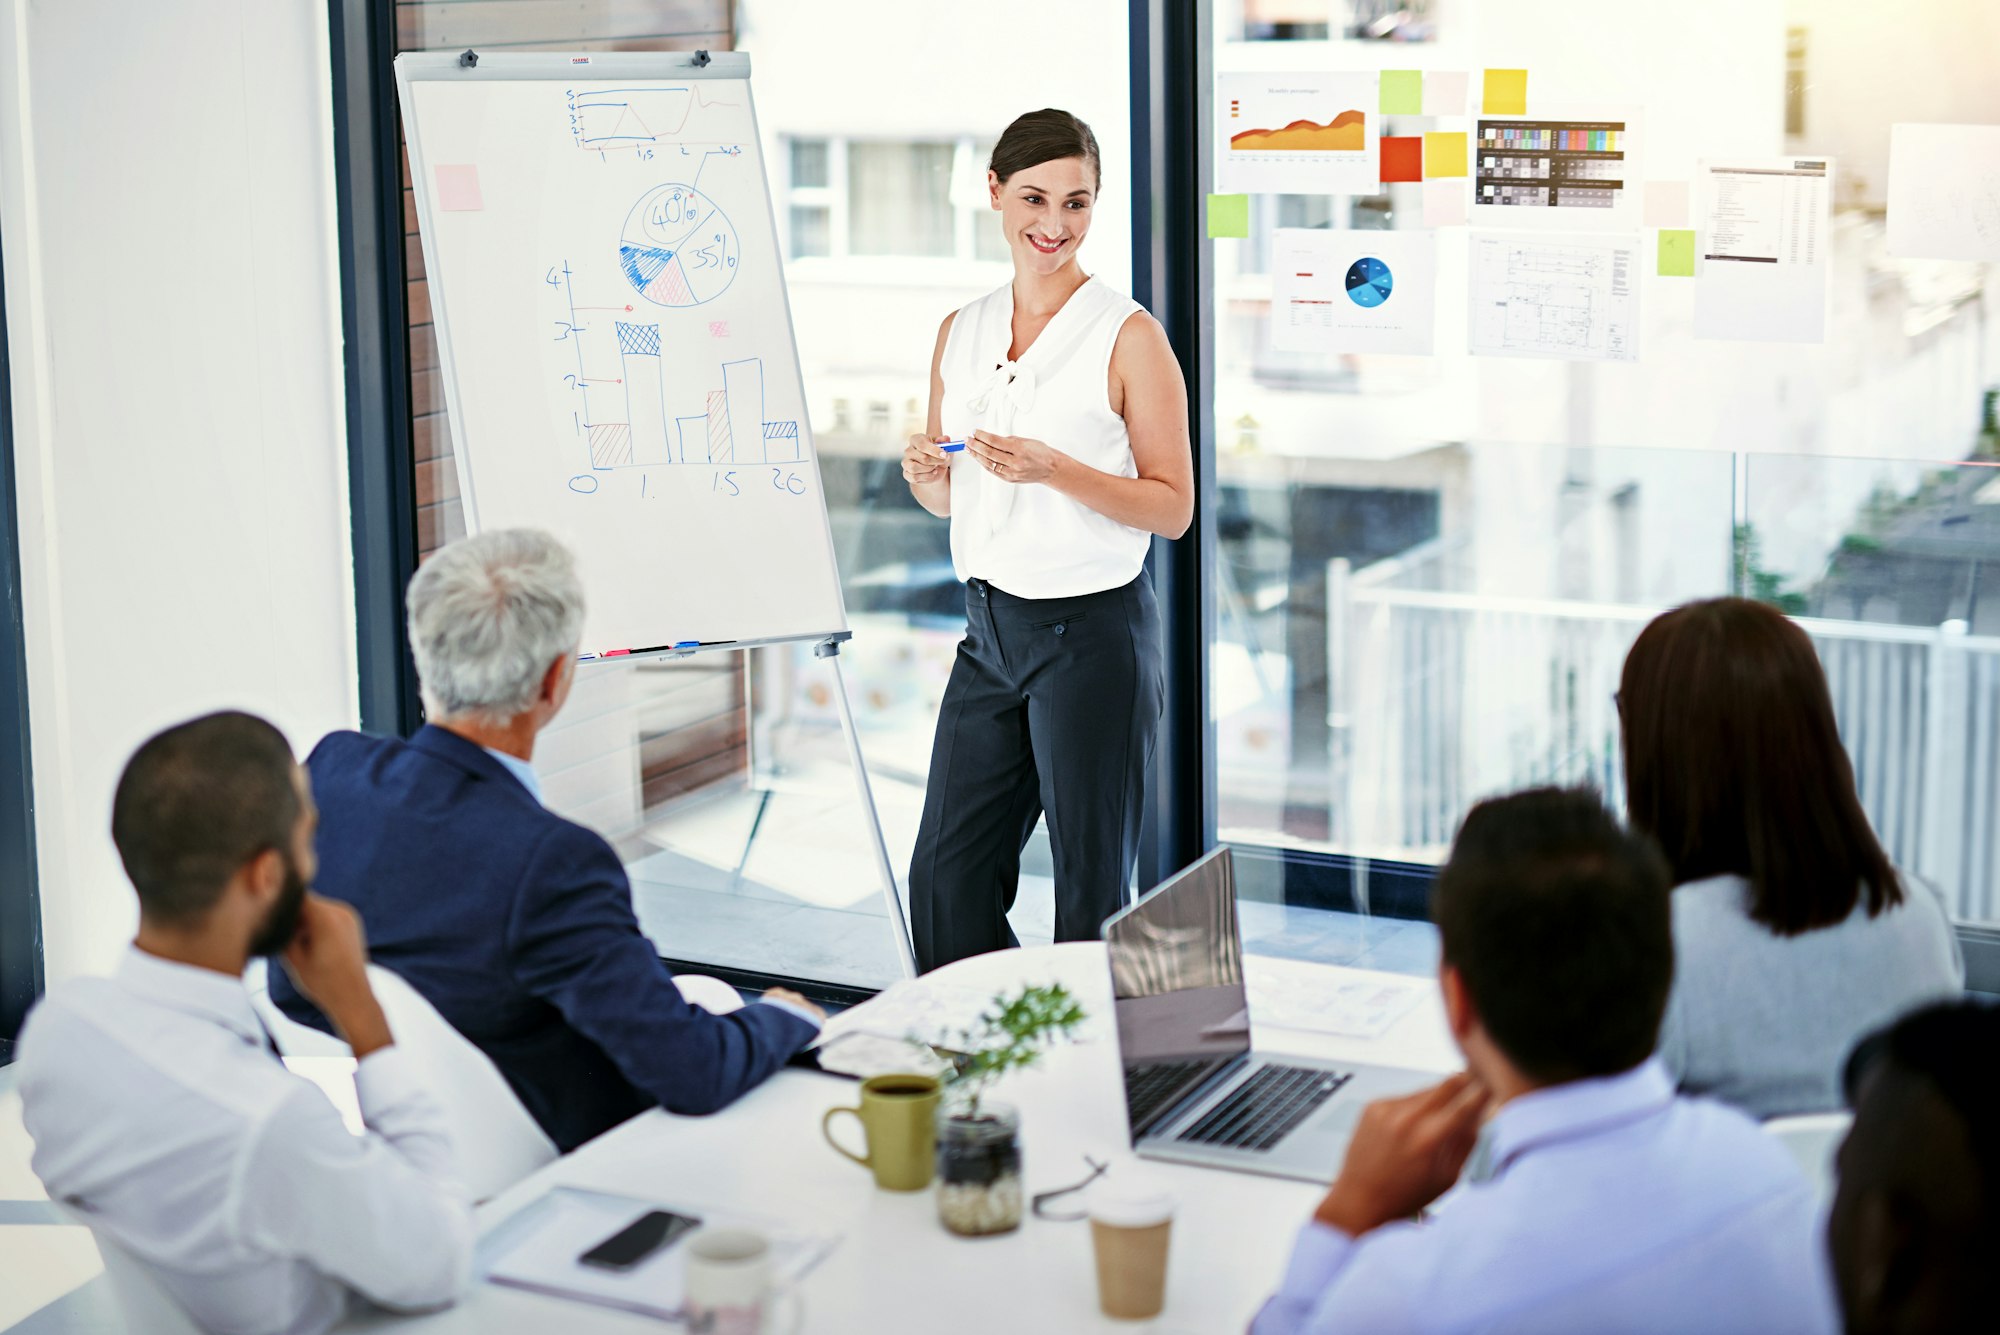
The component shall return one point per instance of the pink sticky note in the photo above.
(1444, 92)
(1444, 203)
(1666, 204)
(458, 188)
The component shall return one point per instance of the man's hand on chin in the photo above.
(1406, 1152)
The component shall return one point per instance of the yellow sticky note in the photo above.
(1506, 93)
(1444, 153)
(1402, 93)
(1676, 253)
(1228, 215)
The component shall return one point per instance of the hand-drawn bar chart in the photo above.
(732, 430)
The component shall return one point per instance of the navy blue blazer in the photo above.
(518, 926)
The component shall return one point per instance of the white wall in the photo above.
(174, 326)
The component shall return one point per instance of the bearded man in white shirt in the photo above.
(1597, 1199)
(155, 1098)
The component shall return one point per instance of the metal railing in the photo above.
(1439, 699)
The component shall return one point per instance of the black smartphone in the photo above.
(638, 1240)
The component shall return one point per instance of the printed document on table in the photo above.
(1761, 266)
(1297, 134)
(1368, 291)
(1944, 192)
(1362, 1006)
(537, 1248)
(1574, 298)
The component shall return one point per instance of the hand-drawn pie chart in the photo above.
(1369, 282)
(677, 248)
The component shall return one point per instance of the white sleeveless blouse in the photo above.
(1029, 539)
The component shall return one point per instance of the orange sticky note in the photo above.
(1402, 158)
(1444, 153)
(1506, 93)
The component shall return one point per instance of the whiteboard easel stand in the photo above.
(829, 649)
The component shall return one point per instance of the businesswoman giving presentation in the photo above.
(1057, 445)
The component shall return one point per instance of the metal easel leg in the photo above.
(830, 649)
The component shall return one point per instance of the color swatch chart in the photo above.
(1551, 138)
(1550, 164)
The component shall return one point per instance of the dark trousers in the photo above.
(1052, 708)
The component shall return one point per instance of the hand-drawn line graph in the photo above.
(608, 118)
(677, 248)
(732, 428)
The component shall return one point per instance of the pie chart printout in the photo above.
(677, 248)
(1369, 282)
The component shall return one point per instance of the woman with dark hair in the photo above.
(1793, 933)
(1057, 445)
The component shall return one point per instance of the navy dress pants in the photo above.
(1052, 707)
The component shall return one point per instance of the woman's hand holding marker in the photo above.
(924, 460)
(1013, 458)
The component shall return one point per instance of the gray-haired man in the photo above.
(516, 923)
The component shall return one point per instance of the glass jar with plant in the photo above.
(978, 1143)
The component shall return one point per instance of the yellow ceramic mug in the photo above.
(898, 1115)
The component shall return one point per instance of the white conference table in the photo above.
(895, 1268)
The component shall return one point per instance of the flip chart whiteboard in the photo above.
(615, 337)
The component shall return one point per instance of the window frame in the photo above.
(835, 198)
(21, 970)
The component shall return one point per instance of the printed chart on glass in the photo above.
(1366, 291)
(1566, 297)
(1297, 133)
(614, 329)
(1766, 247)
(1569, 172)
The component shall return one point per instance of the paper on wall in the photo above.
(1346, 291)
(1575, 298)
(1761, 266)
(1944, 192)
(1296, 133)
(1557, 170)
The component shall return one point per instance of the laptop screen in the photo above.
(1177, 986)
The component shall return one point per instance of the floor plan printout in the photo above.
(1573, 298)
(1297, 133)
(1762, 268)
(1546, 172)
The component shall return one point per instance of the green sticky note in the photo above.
(1676, 253)
(1506, 93)
(1402, 93)
(1229, 215)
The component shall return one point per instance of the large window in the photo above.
(725, 780)
(1430, 567)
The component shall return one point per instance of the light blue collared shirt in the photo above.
(1608, 1204)
(525, 772)
(520, 769)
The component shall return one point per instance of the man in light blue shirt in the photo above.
(1598, 1199)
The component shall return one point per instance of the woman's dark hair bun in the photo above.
(1044, 136)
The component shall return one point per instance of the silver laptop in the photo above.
(1195, 1091)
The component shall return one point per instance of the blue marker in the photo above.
(688, 644)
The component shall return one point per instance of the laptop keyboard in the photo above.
(1262, 1110)
(1151, 1087)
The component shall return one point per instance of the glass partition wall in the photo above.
(1430, 567)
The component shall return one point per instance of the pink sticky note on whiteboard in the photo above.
(458, 188)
